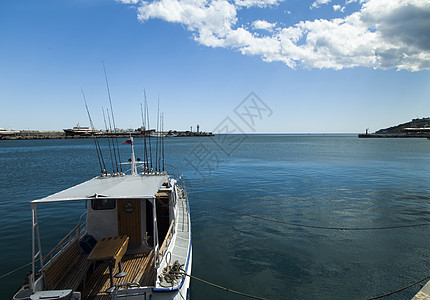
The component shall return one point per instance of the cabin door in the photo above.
(129, 220)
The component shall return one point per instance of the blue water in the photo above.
(333, 181)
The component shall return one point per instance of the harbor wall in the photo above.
(394, 135)
(35, 135)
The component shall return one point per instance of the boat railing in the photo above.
(75, 234)
(176, 174)
(139, 166)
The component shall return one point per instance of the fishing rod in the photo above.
(96, 143)
(157, 162)
(149, 136)
(162, 138)
(113, 143)
(145, 151)
(107, 131)
(113, 117)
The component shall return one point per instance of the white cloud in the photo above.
(318, 3)
(128, 1)
(263, 25)
(258, 3)
(382, 34)
(337, 7)
(214, 18)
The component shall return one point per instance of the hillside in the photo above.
(414, 125)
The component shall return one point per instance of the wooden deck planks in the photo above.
(99, 282)
(148, 276)
(143, 267)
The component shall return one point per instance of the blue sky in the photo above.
(321, 66)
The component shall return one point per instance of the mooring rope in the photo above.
(15, 270)
(172, 273)
(399, 290)
(312, 226)
(223, 288)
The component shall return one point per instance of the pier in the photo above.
(394, 135)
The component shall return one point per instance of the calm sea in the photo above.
(271, 180)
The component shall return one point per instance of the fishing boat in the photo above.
(133, 240)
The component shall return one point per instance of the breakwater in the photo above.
(35, 135)
(393, 135)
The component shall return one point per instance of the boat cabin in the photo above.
(133, 217)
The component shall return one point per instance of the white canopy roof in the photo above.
(126, 186)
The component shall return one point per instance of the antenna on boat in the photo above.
(96, 143)
(107, 131)
(113, 118)
(130, 141)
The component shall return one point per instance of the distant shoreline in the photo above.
(45, 135)
(416, 128)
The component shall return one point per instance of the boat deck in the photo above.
(180, 250)
(139, 268)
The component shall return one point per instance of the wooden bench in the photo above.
(68, 269)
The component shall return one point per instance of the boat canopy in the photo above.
(125, 187)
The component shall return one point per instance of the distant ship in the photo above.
(4, 131)
(81, 130)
